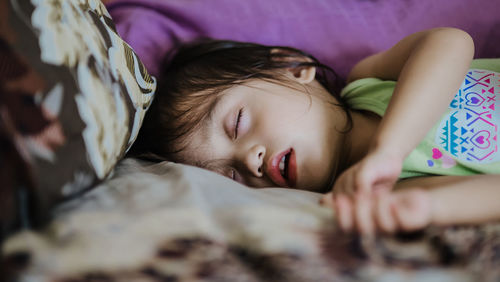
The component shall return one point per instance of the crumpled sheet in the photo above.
(171, 222)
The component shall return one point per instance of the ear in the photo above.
(303, 75)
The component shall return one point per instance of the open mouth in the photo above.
(284, 165)
(282, 169)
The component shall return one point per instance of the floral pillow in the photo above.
(73, 96)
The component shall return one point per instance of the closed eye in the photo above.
(237, 123)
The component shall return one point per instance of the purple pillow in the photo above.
(338, 32)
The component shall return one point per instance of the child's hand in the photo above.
(383, 211)
(376, 171)
(363, 200)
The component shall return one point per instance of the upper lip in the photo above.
(273, 170)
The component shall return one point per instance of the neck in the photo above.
(358, 141)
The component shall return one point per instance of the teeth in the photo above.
(282, 166)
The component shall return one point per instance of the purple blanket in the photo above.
(337, 32)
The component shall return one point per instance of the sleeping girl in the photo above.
(411, 140)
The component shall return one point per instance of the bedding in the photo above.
(171, 222)
(73, 95)
(83, 97)
(338, 33)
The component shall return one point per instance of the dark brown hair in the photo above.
(193, 77)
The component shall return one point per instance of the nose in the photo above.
(254, 159)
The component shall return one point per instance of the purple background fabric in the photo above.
(338, 32)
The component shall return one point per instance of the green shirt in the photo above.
(465, 140)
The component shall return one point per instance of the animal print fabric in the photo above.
(160, 222)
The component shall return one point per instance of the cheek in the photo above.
(317, 161)
(244, 123)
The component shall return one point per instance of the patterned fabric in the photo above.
(159, 222)
(469, 131)
(72, 98)
(465, 140)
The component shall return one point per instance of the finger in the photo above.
(383, 216)
(383, 187)
(337, 185)
(366, 183)
(344, 212)
(362, 214)
(341, 187)
(363, 181)
(349, 187)
(327, 200)
(411, 209)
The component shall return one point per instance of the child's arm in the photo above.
(441, 200)
(429, 67)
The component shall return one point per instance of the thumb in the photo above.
(327, 199)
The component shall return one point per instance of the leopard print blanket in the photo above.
(169, 222)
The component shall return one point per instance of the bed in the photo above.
(76, 79)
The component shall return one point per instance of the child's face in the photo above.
(255, 127)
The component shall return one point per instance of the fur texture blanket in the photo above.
(169, 222)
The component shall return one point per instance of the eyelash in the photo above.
(237, 124)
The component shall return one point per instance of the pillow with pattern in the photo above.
(73, 96)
